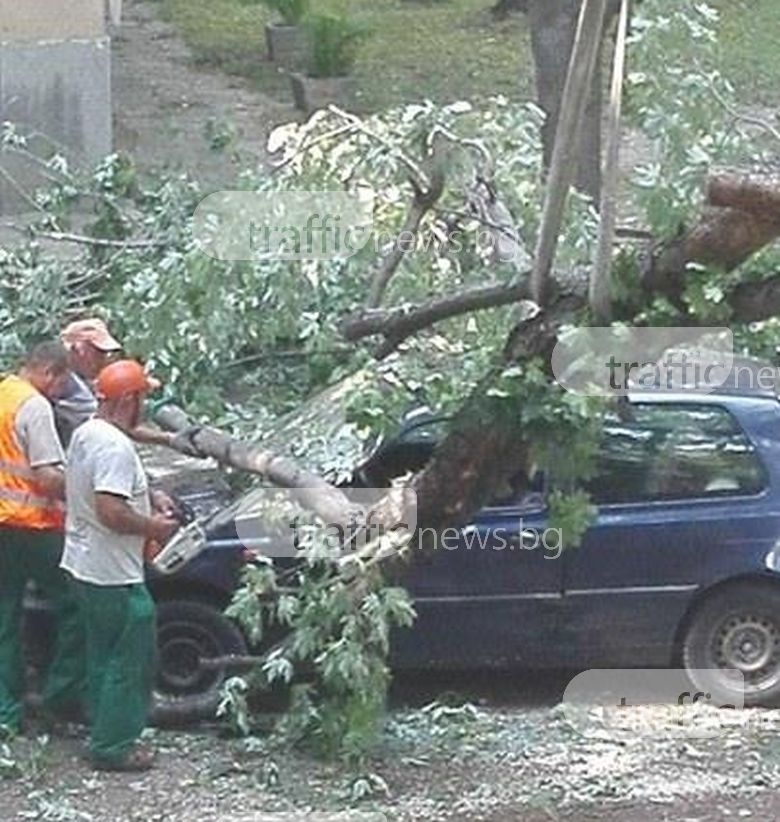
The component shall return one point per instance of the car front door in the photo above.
(487, 594)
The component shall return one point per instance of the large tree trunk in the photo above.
(742, 216)
(482, 451)
(553, 24)
(485, 447)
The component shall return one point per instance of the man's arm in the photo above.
(38, 438)
(74, 407)
(51, 480)
(181, 441)
(116, 513)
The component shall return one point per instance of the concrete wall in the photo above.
(55, 80)
(33, 20)
(61, 89)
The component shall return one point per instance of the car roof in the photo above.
(748, 378)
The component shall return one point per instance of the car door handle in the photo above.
(527, 539)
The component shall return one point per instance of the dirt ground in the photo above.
(167, 112)
(507, 754)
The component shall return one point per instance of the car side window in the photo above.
(674, 451)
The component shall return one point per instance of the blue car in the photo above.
(680, 566)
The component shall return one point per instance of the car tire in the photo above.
(186, 631)
(737, 627)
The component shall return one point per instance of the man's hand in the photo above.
(161, 528)
(163, 504)
(118, 515)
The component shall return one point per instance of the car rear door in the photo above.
(674, 481)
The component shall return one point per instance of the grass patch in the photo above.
(750, 48)
(446, 50)
(442, 49)
(449, 49)
(222, 33)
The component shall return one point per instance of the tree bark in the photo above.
(565, 162)
(396, 324)
(482, 452)
(553, 24)
(758, 194)
(742, 216)
(599, 289)
(485, 448)
(312, 491)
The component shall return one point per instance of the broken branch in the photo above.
(424, 200)
(397, 324)
(313, 492)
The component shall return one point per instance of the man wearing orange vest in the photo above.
(32, 486)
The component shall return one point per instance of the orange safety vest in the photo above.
(22, 503)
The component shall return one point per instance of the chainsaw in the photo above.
(181, 548)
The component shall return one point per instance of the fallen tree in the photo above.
(447, 323)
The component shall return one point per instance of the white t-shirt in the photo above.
(101, 458)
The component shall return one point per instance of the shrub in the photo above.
(334, 42)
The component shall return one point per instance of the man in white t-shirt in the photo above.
(109, 521)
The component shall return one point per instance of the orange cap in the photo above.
(93, 331)
(123, 377)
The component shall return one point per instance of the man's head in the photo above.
(90, 346)
(46, 368)
(121, 387)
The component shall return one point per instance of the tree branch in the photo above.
(424, 200)
(759, 195)
(312, 491)
(98, 242)
(754, 301)
(563, 166)
(397, 324)
(599, 292)
(419, 176)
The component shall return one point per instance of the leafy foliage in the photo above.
(334, 41)
(688, 110)
(340, 650)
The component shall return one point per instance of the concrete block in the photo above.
(62, 91)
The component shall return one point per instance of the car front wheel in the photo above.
(738, 629)
(188, 631)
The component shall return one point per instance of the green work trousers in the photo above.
(121, 651)
(29, 555)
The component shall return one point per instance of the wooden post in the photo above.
(563, 166)
(599, 287)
